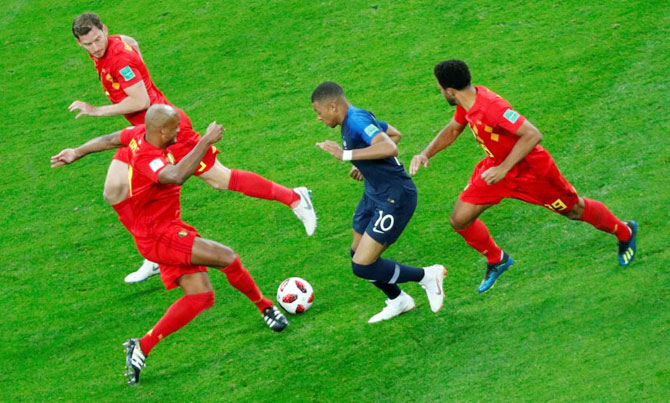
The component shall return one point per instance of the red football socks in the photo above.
(240, 278)
(254, 185)
(179, 314)
(478, 236)
(124, 212)
(598, 215)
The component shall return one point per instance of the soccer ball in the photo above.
(295, 295)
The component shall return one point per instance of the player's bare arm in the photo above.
(102, 143)
(444, 139)
(137, 100)
(178, 174)
(133, 43)
(530, 136)
(381, 147)
(394, 134)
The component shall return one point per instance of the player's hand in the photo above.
(83, 108)
(356, 174)
(331, 148)
(494, 175)
(416, 163)
(64, 157)
(213, 133)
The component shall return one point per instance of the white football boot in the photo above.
(394, 307)
(145, 271)
(305, 211)
(432, 282)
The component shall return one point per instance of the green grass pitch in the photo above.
(565, 323)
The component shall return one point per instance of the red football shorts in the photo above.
(171, 249)
(186, 140)
(540, 183)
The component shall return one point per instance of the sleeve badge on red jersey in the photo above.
(511, 116)
(156, 164)
(127, 73)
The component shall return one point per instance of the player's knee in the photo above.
(209, 301)
(218, 177)
(573, 215)
(226, 256)
(457, 222)
(204, 301)
(219, 185)
(577, 211)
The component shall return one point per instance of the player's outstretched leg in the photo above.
(493, 271)
(254, 185)
(240, 278)
(145, 271)
(206, 252)
(135, 359)
(394, 307)
(432, 282)
(627, 249)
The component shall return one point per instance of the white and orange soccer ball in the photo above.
(295, 295)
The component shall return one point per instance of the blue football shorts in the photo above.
(385, 220)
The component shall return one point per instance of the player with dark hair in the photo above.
(388, 202)
(161, 235)
(515, 167)
(129, 87)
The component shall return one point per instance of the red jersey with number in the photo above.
(155, 206)
(494, 123)
(535, 179)
(121, 67)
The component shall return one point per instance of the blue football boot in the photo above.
(627, 249)
(493, 271)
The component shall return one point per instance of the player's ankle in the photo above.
(296, 200)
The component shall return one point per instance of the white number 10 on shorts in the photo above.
(383, 223)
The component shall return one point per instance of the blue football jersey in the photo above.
(385, 179)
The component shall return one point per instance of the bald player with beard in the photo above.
(160, 234)
(128, 85)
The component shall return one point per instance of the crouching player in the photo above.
(160, 234)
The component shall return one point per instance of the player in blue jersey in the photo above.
(387, 204)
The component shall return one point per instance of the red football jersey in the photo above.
(121, 67)
(494, 124)
(154, 205)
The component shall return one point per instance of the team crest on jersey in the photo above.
(127, 73)
(371, 129)
(511, 116)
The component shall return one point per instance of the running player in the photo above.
(387, 204)
(161, 235)
(515, 166)
(128, 85)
